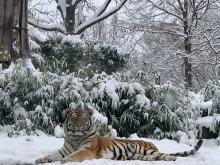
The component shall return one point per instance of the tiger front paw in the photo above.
(65, 160)
(170, 158)
(43, 160)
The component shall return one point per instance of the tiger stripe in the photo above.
(82, 143)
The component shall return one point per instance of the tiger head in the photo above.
(78, 122)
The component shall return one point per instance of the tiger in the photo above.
(81, 142)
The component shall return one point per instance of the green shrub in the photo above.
(66, 56)
(34, 100)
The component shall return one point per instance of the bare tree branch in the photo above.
(180, 5)
(47, 27)
(95, 20)
(68, 10)
(206, 9)
(178, 10)
(166, 11)
(103, 8)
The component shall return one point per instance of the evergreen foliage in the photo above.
(132, 104)
(210, 109)
(65, 55)
(39, 97)
(171, 111)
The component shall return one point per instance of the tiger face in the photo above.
(77, 123)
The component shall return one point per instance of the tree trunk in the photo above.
(187, 64)
(13, 30)
(69, 21)
(187, 46)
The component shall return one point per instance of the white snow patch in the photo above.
(99, 117)
(206, 105)
(110, 88)
(205, 121)
(142, 101)
(210, 122)
(73, 39)
(62, 4)
(113, 132)
(26, 149)
(58, 132)
(198, 102)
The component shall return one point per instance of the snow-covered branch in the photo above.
(69, 9)
(97, 17)
(166, 11)
(102, 9)
(56, 28)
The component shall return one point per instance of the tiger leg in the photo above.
(154, 157)
(53, 157)
(57, 155)
(79, 155)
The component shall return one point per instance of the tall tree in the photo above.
(13, 30)
(72, 10)
(187, 13)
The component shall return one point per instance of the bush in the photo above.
(34, 100)
(211, 92)
(124, 103)
(166, 111)
(209, 124)
(63, 55)
(171, 111)
(37, 96)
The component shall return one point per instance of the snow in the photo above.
(62, 4)
(210, 122)
(113, 133)
(205, 121)
(58, 132)
(111, 87)
(73, 39)
(142, 101)
(198, 101)
(207, 105)
(99, 117)
(135, 87)
(100, 17)
(26, 149)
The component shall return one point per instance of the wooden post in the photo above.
(13, 30)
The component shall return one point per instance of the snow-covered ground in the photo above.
(25, 149)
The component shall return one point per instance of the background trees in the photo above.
(187, 15)
(73, 16)
(171, 39)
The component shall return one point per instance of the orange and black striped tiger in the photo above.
(82, 143)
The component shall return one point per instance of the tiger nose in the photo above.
(78, 124)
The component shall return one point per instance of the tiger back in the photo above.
(82, 143)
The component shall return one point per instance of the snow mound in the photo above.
(58, 132)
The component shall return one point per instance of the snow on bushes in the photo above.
(124, 103)
(208, 102)
(39, 97)
(33, 100)
(71, 54)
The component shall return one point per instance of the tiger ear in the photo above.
(90, 111)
